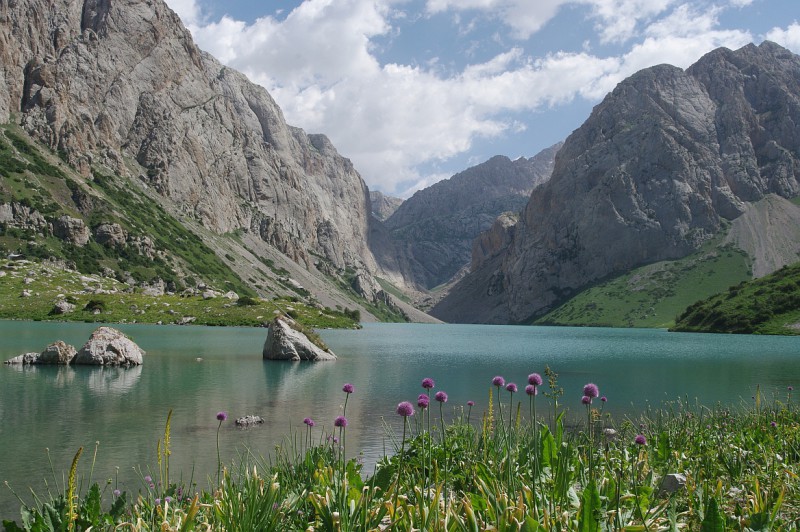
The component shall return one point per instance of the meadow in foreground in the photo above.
(516, 466)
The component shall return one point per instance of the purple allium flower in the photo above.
(148, 479)
(423, 401)
(535, 379)
(470, 403)
(158, 502)
(773, 424)
(604, 398)
(499, 381)
(308, 421)
(586, 400)
(531, 389)
(441, 397)
(405, 409)
(167, 499)
(591, 390)
(511, 387)
(340, 421)
(117, 493)
(222, 416)
(640, 440)
(428, 383)
(348, 388)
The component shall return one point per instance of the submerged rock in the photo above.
(57, 353)
(109, 347)
(285, 342)
(250, 420)
(26, 359)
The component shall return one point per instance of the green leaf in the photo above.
(383, 478)
(90, 509)
(589, 516)
(11, 526)
(549, 450)
(663, 451)
(713, 521)
(531, 525)
(118, 508)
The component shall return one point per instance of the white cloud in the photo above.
(619, 19)
(788, 38)
(188, 10)
(524, 17)
(320, 65)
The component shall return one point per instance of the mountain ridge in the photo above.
(434, 229)
(651, 175)
(121, 88)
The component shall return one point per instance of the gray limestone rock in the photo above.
(73, 230)
(672, 482)
(284, 342)
(26, 359)
(435, 228)
(249, 421)
(109, 347)
(63, 307)
(116, 82)
(59, 353)
(110, 234)
(661, 166)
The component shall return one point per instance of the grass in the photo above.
(103, 299)
(680, 467)
(653, 295)
(769, 305)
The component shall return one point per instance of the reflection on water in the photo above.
(64, 408)
(104, 381)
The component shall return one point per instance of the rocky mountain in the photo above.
(435, 227)
(119, 87)
(664, 163)
(383, 206)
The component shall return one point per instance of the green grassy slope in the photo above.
(29, 290)
(36, 179)
(769, 305)
(653, 295)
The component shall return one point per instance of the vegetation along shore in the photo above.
(510, 463)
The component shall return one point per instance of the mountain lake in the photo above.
(199, 371)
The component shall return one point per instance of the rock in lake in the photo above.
(250, 420)
(57, 353)
(109, 347)
(285, 342)
(26, 359)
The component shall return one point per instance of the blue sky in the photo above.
(413, 91)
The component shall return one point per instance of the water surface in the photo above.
(125, 410)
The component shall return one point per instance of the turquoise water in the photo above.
(63, 409)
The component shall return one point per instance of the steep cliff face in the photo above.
(120, 84)
(435, 227)
(383, 206)
(656, 170)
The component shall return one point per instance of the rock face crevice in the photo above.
(660, 167)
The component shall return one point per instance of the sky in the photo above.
(414, 91)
